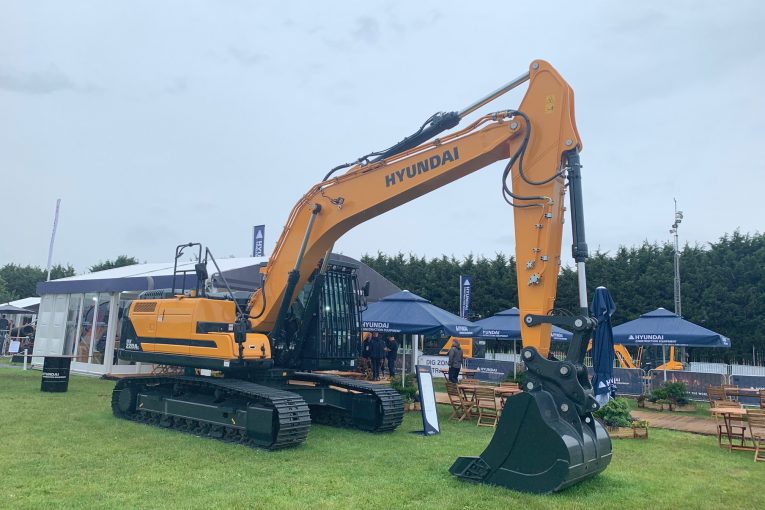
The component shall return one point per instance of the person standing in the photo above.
(391, 354)
(376, 353)
(455, 360)
(5, 326)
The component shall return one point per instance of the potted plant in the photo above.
(408, 391)
(640, 429)
(673, 395)
(615, 414)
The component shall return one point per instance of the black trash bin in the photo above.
(55, 374)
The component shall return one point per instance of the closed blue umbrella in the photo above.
(603, 307)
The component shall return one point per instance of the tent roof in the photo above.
(153, 275)
(662, 327)
(31, 303)
(14, 310)
(242, 273)
(506, 325)
(405, 312)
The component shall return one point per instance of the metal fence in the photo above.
(629, 381)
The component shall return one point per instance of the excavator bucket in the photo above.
(534, 450)
(546, 439)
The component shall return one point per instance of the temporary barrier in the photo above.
(748, 381)
(629, 381)
(490, 369)
(696, 382)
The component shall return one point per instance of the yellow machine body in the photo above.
(169, 326)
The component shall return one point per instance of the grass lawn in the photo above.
(67, 451)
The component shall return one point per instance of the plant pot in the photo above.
(628, 432)
(640, 432)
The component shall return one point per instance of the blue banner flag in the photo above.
(258, 238)
(465, 292)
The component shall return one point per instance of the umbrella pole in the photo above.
(403, 360)
(415, 343)
(515, 361)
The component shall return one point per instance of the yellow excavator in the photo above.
(625, 359)
(268, 348)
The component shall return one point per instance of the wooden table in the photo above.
(468, 390)
(463, 372)
(727, 414)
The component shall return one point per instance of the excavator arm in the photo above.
(536, 139)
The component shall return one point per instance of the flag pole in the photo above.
(53, 237)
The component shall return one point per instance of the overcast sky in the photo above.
(157, 123)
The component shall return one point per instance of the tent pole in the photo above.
(403, 360)
(664, 360)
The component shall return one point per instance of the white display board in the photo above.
(427, 401)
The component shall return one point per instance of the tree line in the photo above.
(722, 284)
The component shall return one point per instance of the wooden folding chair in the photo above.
(756, 418)
(731, 427)
(462, 409)
(715, 393)
(486, 402)
(470, 381)
(730, 387)
(762, 399)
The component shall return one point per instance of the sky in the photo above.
(158, 123)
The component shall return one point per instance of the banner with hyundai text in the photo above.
(493, 370)
(465, 292)
(258, 240)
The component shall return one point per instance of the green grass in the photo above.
(67, 451)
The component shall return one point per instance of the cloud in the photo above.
(368, 30)
(41, 82)
(247, 57)
(178, 86)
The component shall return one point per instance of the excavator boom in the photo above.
(538, 134)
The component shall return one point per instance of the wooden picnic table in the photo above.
(500, 391)
(728, 413)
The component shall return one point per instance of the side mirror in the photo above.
(365, 289)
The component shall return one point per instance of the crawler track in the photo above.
(390, 407)
(287, 426)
